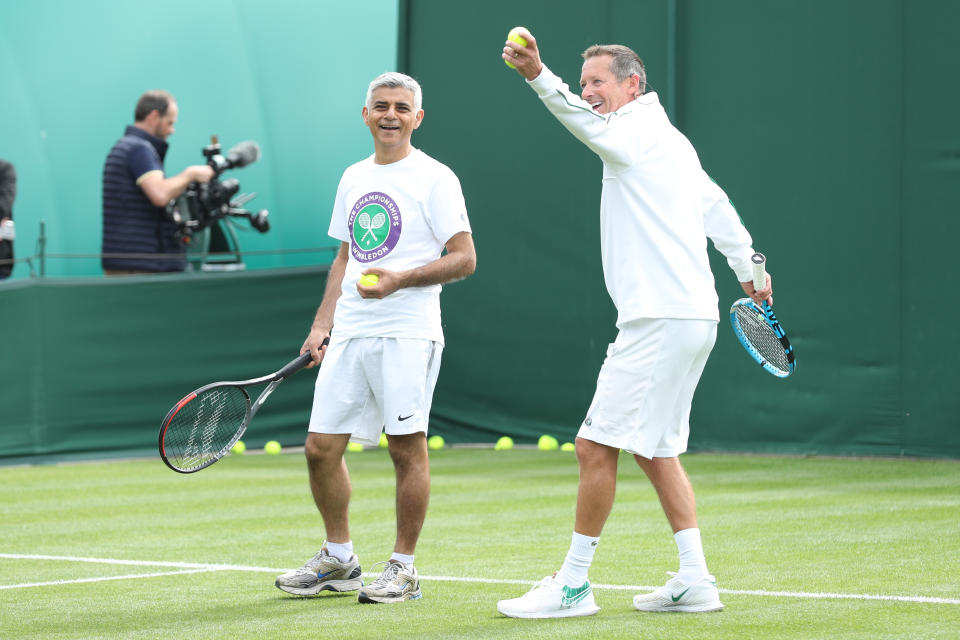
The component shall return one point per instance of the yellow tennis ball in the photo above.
(567, 446)
(384, 443)
(273, 448)
(547, 443)
(504, 443)
(514, 36)
(435, 442)
(369, 280)
(238, 448)
(354, 447)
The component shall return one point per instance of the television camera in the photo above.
(203, 204)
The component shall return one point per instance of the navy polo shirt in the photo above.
(131, 223)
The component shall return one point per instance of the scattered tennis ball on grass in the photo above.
(435, 442)
(354, 447)
(383, 441)
(369, 280)
(504, 443)
(514, 36)
(272, 448)
(239, 448)
(567, 446)
(547, 443)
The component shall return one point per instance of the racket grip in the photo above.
(299, 363)
(759, 271)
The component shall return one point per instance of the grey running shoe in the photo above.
(322, 572)
(397, 583)
(677, 595)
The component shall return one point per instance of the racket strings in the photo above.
(762, 337)
(203, 427)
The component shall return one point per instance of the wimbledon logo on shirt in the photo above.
(375, 226)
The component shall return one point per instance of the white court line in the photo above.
(101, 579)
(201, 567)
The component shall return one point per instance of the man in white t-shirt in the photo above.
(657, 210)
(395, 213)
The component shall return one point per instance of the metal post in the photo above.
(41, 248)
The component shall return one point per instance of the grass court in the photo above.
(802, 548)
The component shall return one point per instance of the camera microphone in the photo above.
(242, 154)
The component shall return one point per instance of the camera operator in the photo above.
(136, 192)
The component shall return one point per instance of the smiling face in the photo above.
(599, 87)
(392, 117)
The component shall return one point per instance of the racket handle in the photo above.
(759, 271)
(298, 363)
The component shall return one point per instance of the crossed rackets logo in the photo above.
(370, 226)
(375, 225)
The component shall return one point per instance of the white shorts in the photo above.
(368, 385)
(646, 385)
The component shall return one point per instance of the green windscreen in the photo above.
(290, 75)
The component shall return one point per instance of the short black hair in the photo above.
(153, 100)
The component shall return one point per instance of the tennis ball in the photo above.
(369, 280)
(567, 446)
(354, 447)
(547, 443)
(435, 442)
(504, 443)
(273, 448)
(383, 441)
(514, 36)
(238, 448)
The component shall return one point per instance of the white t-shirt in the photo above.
(395, 216)
(657, 208)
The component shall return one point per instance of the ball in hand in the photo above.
(547, 443)
(369, 280)
(239, 448)
(504, 443)
(514, 36)
(272, 448)
(435, 442)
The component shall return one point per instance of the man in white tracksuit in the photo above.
(657, 209)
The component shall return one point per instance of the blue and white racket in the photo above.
(758, 329)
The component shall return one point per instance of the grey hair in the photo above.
(625, 62)
(394, 80)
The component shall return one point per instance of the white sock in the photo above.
(402, 557)
(342, 551)
(573, 573)
(693, 564)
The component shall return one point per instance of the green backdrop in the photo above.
(97, 362)
(832, 126)
(289, 74)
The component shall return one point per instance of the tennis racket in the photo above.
(206, 423)
(758, 329)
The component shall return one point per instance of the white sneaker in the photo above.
(551, 599)
(677, 595)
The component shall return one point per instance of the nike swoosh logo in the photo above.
(324, 575)
(404, 418)
(680, 595)
(571, 596)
